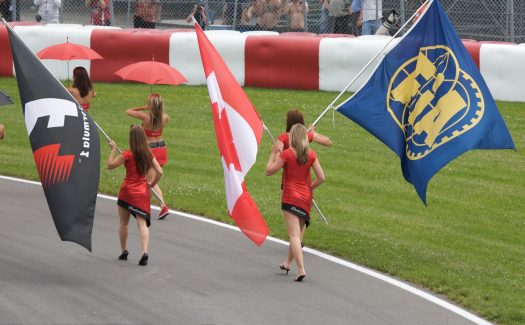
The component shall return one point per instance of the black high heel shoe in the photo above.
(124, 255)
(144, 259)
(284, 268)
(300, 278)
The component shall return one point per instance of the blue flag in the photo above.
(428, 102)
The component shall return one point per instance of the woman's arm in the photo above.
(319, 174)
(274, 162)
(114, 162)
(158, 173)
(137, 113)
(322, 139)
(192, 13)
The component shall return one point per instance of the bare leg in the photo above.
(156, 188)
(1, 131)
(289, 259)
(144, 234)
(123, 227)
(294, 225)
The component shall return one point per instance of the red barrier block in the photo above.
(123, 47)
(282, 62)
(473, 48)
(6, 58)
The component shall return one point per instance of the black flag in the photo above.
(65, 145)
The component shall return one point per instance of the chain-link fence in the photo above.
(495, 20)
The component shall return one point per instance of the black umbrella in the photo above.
(5, 99)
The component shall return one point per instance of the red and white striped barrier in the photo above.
(259, 59)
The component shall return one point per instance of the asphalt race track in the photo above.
(198, 273)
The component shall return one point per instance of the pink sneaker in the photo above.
(164, 211)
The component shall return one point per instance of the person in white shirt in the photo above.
(371, 13)
(48, 11)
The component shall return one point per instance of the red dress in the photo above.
(158, 149)
(134, 192)
(297, 189)
(285, 139)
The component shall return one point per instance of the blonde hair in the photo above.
(156, 110)
(299, 141)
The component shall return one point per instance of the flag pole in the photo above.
(274, 143)
(155, 194)
(369, 63)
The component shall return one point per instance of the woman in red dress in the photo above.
(296, 200)
(153, 120)
(82, 88)
(134, 196)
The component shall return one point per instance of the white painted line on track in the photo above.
(404, 286)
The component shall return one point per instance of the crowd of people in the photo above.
(357, 17)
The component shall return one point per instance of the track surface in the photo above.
(198, 273)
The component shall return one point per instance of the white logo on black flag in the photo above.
(65, 145)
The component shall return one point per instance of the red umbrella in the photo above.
(68, 51)
(151, 72)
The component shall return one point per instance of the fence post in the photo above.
(512, 20)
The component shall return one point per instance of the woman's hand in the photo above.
(277, 147)
(112, 145)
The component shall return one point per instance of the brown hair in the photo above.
(156, 111)
(299, 141)
(140, 149)
(293, 116)
(81, 81)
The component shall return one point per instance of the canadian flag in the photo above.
(239, 130)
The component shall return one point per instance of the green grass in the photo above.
(468, 244)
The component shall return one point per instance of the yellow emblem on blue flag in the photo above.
(428, 102)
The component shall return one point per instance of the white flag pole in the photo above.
(369, 63)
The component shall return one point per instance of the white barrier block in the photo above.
(502, 68)
(259, 33)
(185, 56)
(341, 59)
(39, 37)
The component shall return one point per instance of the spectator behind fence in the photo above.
(229, 11)
(48, 11)
(100, 14)
(297, 13)
(371, 13)
(199, 13)
(267, 13)
(355, 12)
(147, 13)
(326, 23)
(340, 10)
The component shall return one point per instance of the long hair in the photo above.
(81, 81)
(140, 149)
(299, 141)
(293, 116)
(156, 110)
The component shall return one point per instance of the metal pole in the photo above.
(512, 22)
(111, 13)
(235, 14)
(368, 64)
(402, 12)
